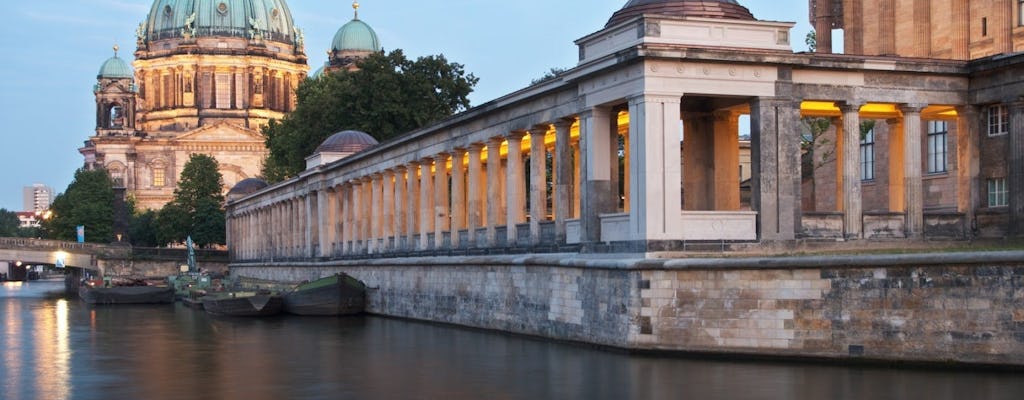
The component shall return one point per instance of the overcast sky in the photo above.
(53, 50)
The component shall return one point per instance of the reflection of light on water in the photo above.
(53, 357)
(11, 349)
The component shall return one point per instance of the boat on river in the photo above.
(243, 304)
(126, 294)
(334, 295)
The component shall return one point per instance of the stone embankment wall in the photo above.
(959, 308)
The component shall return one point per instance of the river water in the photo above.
(57, 347)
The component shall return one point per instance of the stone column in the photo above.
(376, 212)
(699, 155)
(913, 187)
(312, 225)
(412, 205)
(1015, 169)
(323, 222)
(961, 30)
(367, 214)
(345, 228)
(538, 182)
(357, 216)
(823, 26)
(442, 223)
(897, 167)
(968, 156)
(887, 27)
(515, 186)
(775, 159)
(388, 214)
(458, 196)
(597, 192)
(563, 177)
(852, 197)
(726, 144)
(493, 190)
(399, 219)
(577, 181)
(426, 203)
(656, 172)
(474, 215)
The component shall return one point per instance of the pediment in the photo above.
(221, 132)
(115, 88)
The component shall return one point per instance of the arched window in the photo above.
(117, 172)
(115, 117)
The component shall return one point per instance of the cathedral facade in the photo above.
(207, 76)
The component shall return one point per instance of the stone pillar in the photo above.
(458, 196)
(656, 172)
(368, 214)
(413, 205)
(474, 216)
(961, 30)
(968, 156)
(493, 189)
(852, 197)
(913, 186)
(726, 183)
(538, 182)
(388, 215)
(699, 156)
(577, 181)
(563, 176)
(375, 212)
(441, 213)
(357, 216)
(823, 27)
(310, 222)
(775, 159)
(345, 229)
(515, 187)
(426, 203)
(1015, 169)
(324, 221)
(399, 219)
(597, 193)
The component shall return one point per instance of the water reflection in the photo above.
(57, 349)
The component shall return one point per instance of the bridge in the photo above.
(104, 259)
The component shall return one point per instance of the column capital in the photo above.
(564, 123)
(541, 130)
(655, 98)
(850, 106)
(495, 141)
(441, 157)
(411, 165)
(426, 162)
(459, 151)
(388, 172)
(476, 147)
(912, 108)
(400, 169)
(516, 135)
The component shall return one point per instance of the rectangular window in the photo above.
(998, 196)
(937, 133)
(867, 156)
(158, 177)
(998, 120)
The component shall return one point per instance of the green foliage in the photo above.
(387, 96)
(814, 145)
(87, 201)
(551, 74)
(142, 229)
(812, 41)
(9, 223)
(197, 209)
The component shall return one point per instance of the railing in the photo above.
(221, 31)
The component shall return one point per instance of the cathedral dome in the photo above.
(347, 142)
(115, 68)
(721, 9)
(356, 35)
(170, 19)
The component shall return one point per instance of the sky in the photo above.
(53, 50)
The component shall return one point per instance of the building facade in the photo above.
(37, 198)
(207, 76)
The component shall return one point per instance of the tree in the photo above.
(551, 74)
(87, 201)
(197, 209)
(9, 223)
(812, 41)
(387, 96)
(142, 229)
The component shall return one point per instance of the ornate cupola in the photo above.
(354, 41)
(115, 98)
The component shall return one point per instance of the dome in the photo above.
(247, 187)
(115, 68)
(169, 19)
(347, 142)
(356, 35)
(721, 9)
(319, 72)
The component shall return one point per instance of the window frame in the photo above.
(1020, 13)
(867, 156)
(998, 119)
(998, 193)
(938, 139)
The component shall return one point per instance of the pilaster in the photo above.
(961, 30)
(775, 159)
(656, 171)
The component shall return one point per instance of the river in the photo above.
(57, 347)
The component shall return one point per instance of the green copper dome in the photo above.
(115, 68)
(169, 19)
(356, 35)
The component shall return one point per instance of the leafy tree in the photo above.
(387, 96)
(9, 223)
(142, 229)
(197, 209)
(812, 41)
(552, 74)
(87, 201)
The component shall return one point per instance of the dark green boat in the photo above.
(242, 304)
(334, 295)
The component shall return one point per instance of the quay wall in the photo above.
(957, 308)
